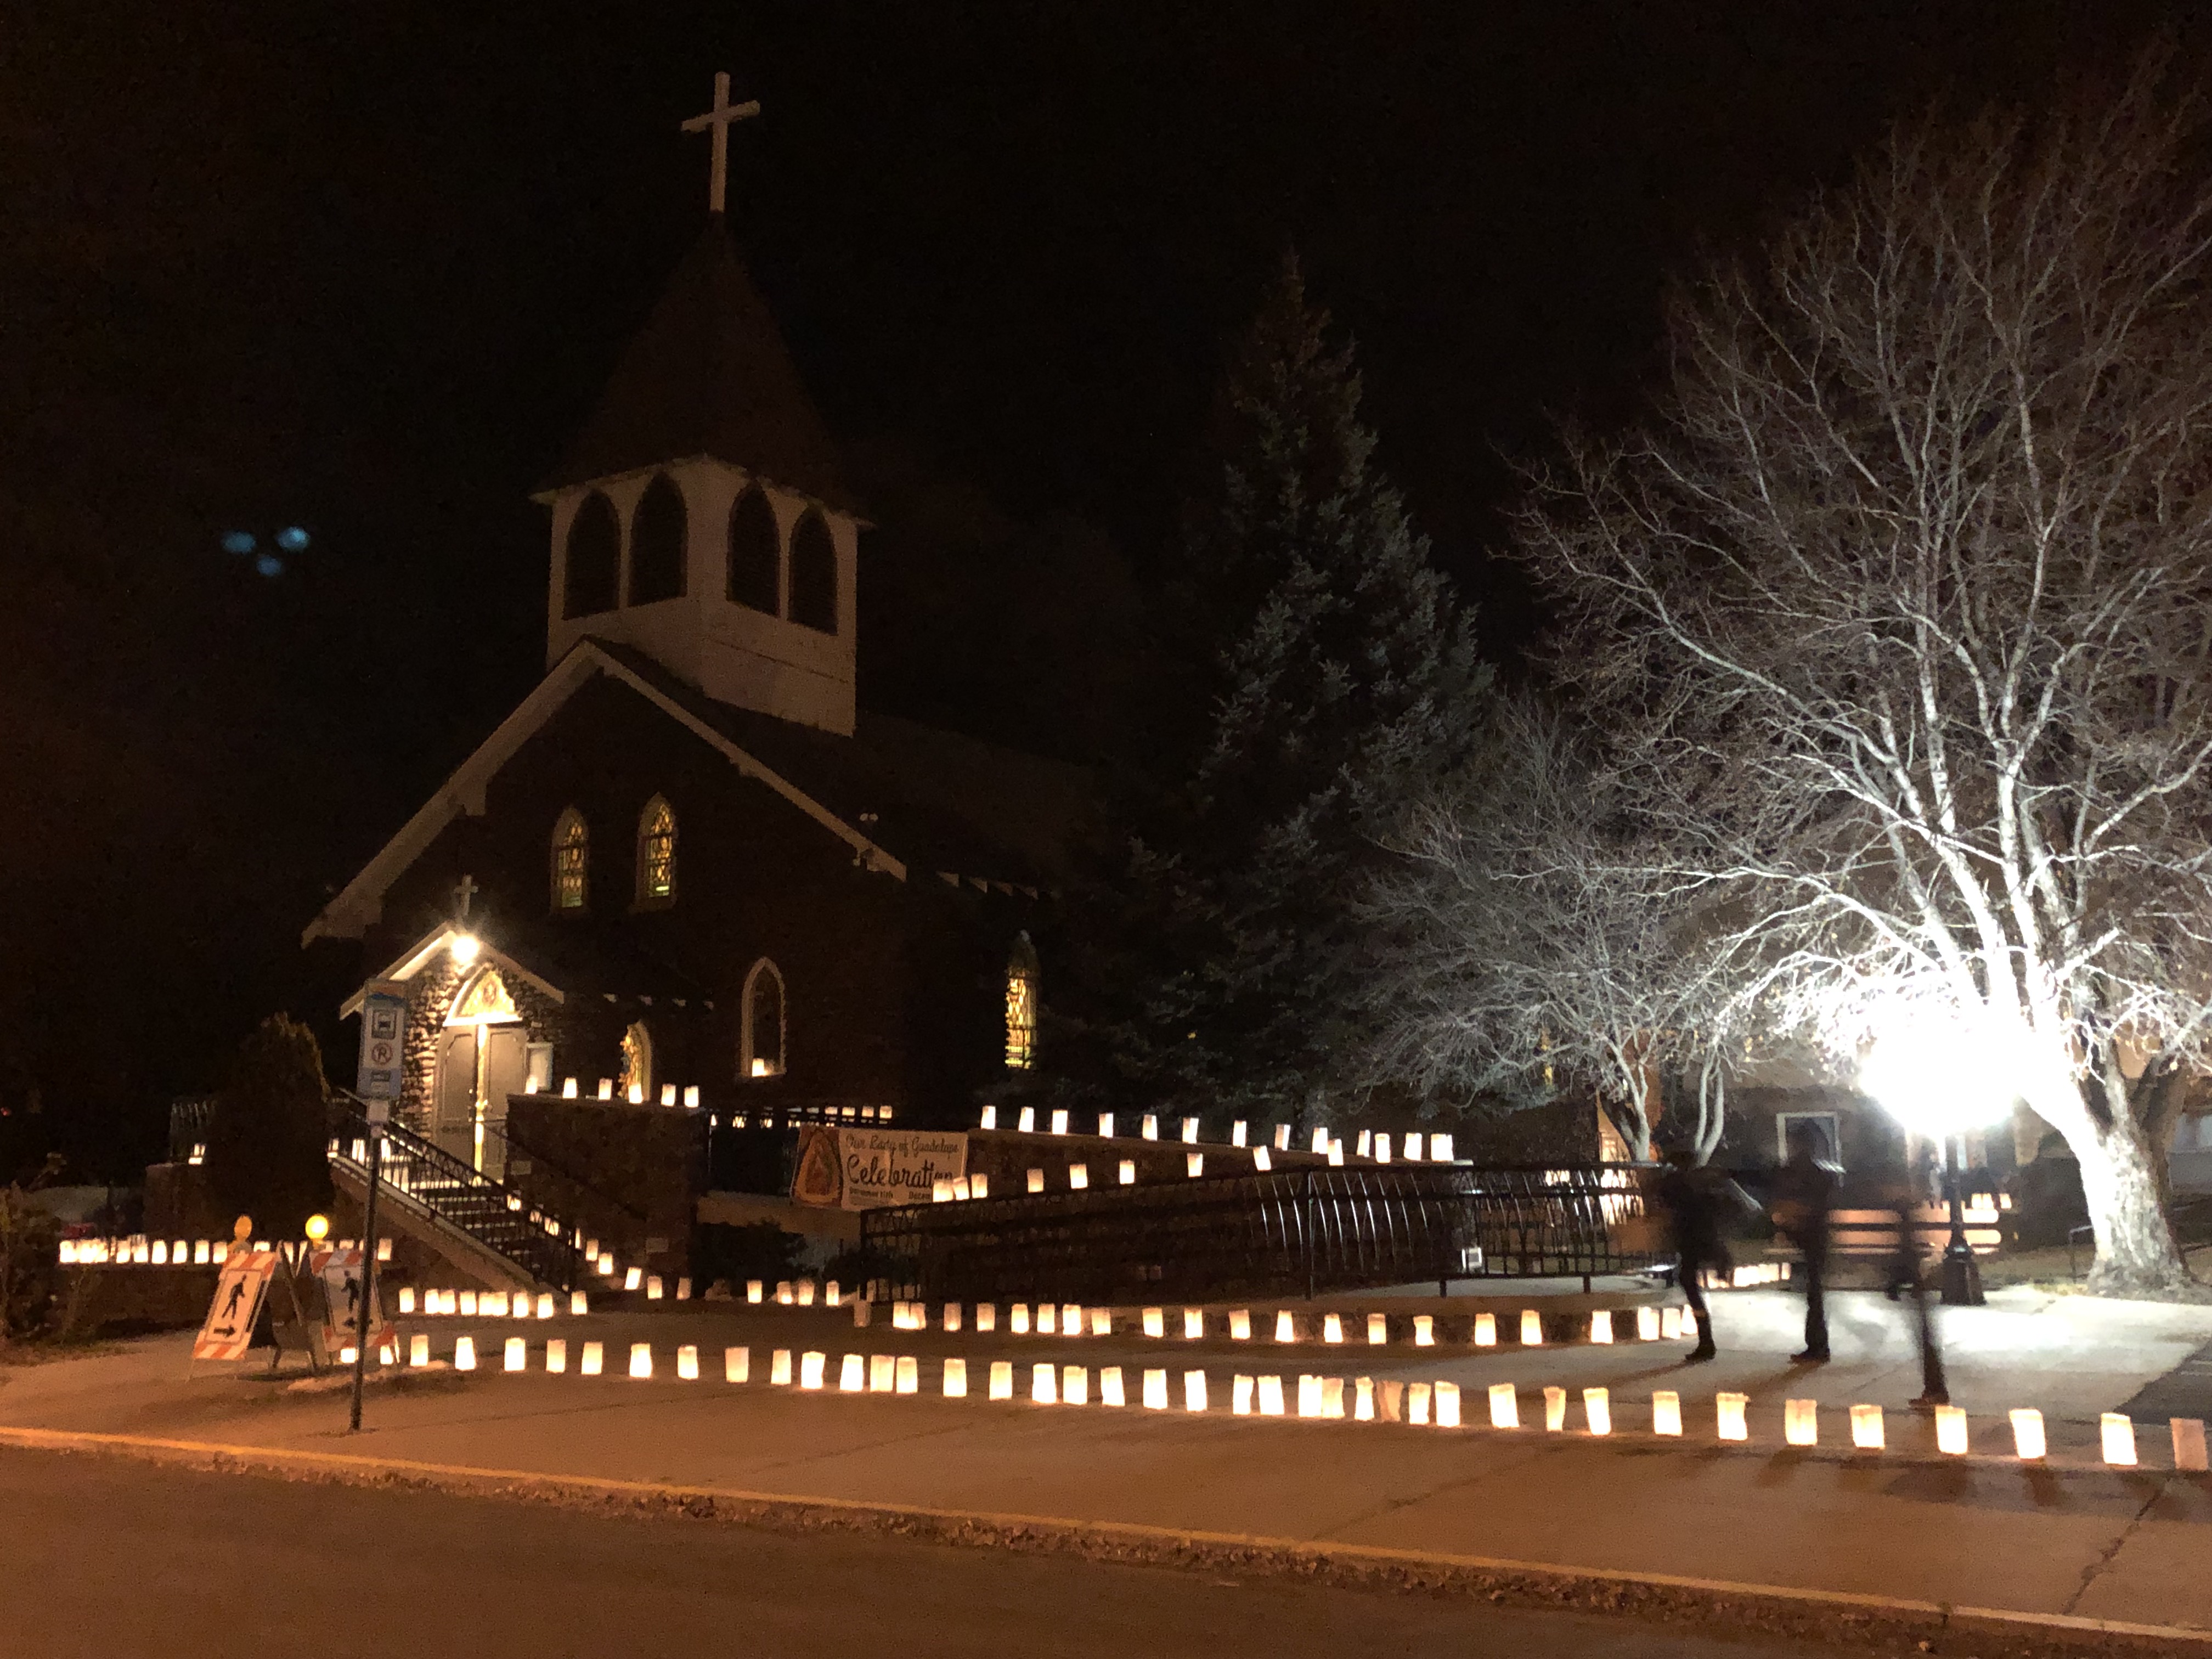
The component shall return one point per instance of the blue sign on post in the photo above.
(383, 1041)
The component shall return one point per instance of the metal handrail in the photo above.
(514, 1143)
(1286, 1232)
(490, 1211)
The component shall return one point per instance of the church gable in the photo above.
(359, 904)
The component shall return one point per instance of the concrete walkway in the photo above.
(2066, 1538)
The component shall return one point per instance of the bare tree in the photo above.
(1529, 954)
(1897, 618)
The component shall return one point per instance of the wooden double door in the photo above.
(478, 1068)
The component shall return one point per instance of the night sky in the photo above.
(360, 270)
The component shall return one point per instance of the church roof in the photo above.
(938, 800)
(904, 797)
(708, 375)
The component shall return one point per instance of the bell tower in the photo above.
(699, 516)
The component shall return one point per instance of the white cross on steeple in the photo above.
(464, 892)
(718, 121)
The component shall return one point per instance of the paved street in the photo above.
(114, 1557)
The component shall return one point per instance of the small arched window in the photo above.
(656, 853)
(814, 575)
(760, 1032)
(594, 556)
(1022, 1004)
(756, 554)
(572, 857)
(656, 543)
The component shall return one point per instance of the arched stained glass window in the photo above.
(656, 853)
(572, 861)
(760, 1037)
(756, 554)
(656, 543)
(594, 556)
(1022, 1004)
(814, 575)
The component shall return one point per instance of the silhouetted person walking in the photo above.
(1905, 1278)
(1804, 1194)
(1694, 1202)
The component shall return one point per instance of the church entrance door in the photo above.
(453, 1120)
(482, 1058)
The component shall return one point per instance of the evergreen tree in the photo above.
(1313, 673)
(265, 1154)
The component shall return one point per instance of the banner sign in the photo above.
(873, 1169)
(239, 1291)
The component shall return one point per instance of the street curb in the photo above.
(1805, 1612)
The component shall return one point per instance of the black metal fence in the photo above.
(1295, 1232)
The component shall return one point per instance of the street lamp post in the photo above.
(1962, 1275)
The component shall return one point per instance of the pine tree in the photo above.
(1314, 671)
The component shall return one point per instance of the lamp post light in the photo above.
(1962, 1275)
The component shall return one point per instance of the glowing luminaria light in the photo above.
(1286, 1325)
(1155, 1390)
(1044, 1383)
(779, 1367)
(1646, 1324)
(1951, 1431)
(1485, 1330)
(737, 1364)
(1447, 1406)
(1363, 1401)
(518, 1354)
(687, 1361)
(1602, 1326)
(1597, 1410)
(1665, 1411)
(1074, 1386)
(557, 1356)
(1194, 1323)
(1378, 1329)
(1417, 1402)
(1866, 1428)
(2117, 1430)
(853, 1374)
(1555, 1410)
(464, 1353)
(1727, 1411)
(1193, 1391)
(1240, 1395)
(1801, 1422)
(1504, 1405)
(1110, 1387)
(1156, 1321)
(955, 1379)
(2027, 1439)
(1002, 1379)
(1332, 1328)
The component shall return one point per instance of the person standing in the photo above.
(1804, 1194)
(1691, 1198)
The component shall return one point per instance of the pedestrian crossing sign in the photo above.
(240, 1292)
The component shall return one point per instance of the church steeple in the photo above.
(700, 515)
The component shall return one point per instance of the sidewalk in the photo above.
(2067, 1538)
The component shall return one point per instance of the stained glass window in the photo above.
(656, 853)
(572, 852)
(1022, 1004)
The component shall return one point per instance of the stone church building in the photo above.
(688, 873)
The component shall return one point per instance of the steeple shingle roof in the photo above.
(708, 375)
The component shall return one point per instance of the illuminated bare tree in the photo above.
(1896, 617)
(1533, 948)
